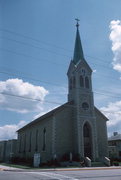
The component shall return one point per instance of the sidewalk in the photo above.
(9, 168)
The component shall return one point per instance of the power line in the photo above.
(37, 47)
(53, 84)
(46, 82)
(31, 38)
(31, 99)
(28, 56)
(33, 79)
(55, 102)
(38, 59)
(51, 102)
(28, 37)
(107, 95)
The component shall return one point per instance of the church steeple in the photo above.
(78, 51)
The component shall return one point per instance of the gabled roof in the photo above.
(83, 63)
(49, 114)
(115, 138)
(101, 114)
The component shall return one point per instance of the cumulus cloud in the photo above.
(113, 113)
(33, 96)
(94, 70)
(46, 110)
(9, 131)
(115, 37)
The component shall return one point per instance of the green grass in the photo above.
(32, 168)
(16, 165)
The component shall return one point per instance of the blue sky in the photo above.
(36, 45)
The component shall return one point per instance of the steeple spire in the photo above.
(78, 51)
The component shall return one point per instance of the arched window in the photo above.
(81, 81)
(85, 105)
(86, 130)
(20, 144)
(87, 140)
(74, 82)
(30, 135)
(70, 83)
(36, 142)
(24, 143)
(86, 82)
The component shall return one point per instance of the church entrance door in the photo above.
(87, 140)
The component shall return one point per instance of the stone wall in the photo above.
(102, 136)
(58, 140)
(29, 142)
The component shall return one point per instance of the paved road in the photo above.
(96, 174)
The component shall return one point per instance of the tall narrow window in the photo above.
(74, 82)
(44, 139)
(25, 142)
(30, 135)
(36, 142)
(81, 81)
(87, 140)
(86, 82)
(20, 144)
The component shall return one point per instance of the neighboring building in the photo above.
(2, 150)
(8, 150)
(76, 127)
(114, 145)
(11, 149)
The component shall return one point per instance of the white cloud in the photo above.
(115, 37)
(41, 114)
(17, 87)
(9, 131)
(46, 110)
(113, 113)
(94, 71)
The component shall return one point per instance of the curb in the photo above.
(47, 170)
(1, 169)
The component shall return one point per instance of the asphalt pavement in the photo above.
(104, 173)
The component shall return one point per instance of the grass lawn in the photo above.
(16, 165)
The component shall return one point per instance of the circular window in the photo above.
(85, 105)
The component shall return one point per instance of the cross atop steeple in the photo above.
(77, 24)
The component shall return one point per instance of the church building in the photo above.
(76, 127)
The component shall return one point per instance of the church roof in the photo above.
(78, 51)
(115, 138)
(49, 114)
(101, 114)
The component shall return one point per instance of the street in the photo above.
(83, 174)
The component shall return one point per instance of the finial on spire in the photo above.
(77, 24)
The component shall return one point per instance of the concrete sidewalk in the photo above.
(9, 168)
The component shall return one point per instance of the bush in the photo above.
(25, 161)
(65, 157)
(115, 163)
(76, 157)
(51, 163)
